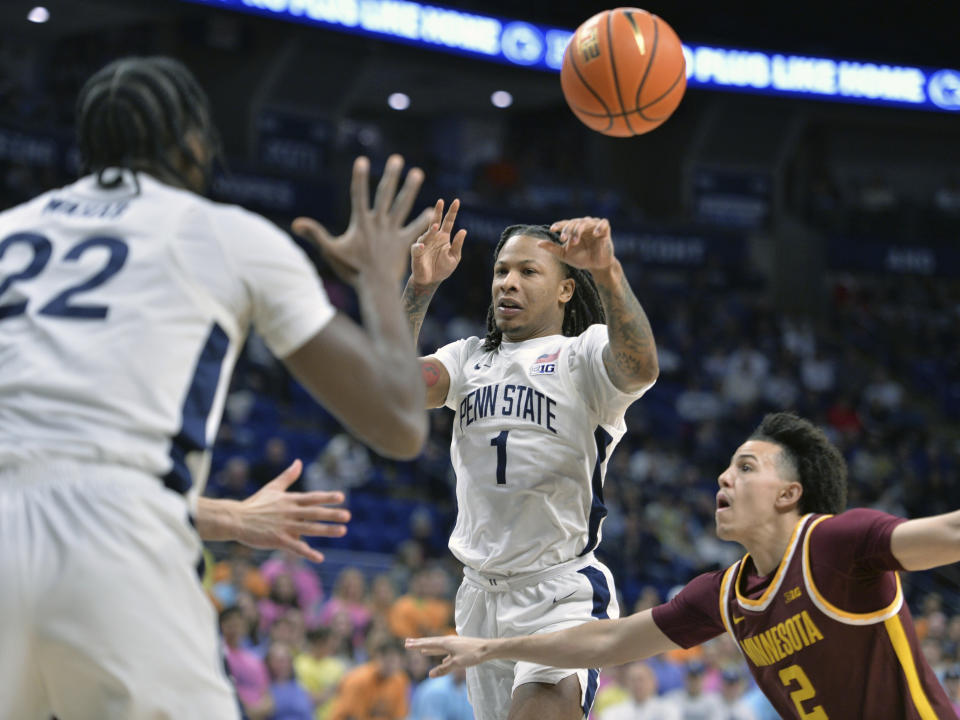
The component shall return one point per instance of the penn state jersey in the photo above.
(534, 426)
(122, 312)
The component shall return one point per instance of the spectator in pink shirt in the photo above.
(247, 671)
(283, 597)
(305, 580)
(349, 597)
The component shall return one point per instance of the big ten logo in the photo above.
(543, 368)
(588, 42)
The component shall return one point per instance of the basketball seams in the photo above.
(576, 69)
(653, 55)
(613, 66)
(673, 85)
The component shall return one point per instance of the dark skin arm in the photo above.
(630, 358)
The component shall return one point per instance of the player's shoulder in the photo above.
(852, 519)
(842, 529)
(464, 347)
(227, 215)
(594, 335)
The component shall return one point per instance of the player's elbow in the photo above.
(651, 373)
(404, 438)
(643, 378)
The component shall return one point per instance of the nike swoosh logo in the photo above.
(738, 620)
(556, 599)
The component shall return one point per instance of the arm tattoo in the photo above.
(415, 302)
(430, 372)
(631, 356)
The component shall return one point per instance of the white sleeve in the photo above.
(287, 302)
(589, 375)
(452, 357)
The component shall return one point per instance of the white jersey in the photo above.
(122, 313)
(535, 423)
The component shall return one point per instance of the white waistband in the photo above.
(504, 583)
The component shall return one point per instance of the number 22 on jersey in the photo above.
(60, 305)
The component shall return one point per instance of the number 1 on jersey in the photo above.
(500, 442)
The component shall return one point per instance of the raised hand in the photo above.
(587, 243)
(274, 518)
(433, 257)
(460, 652)
(375, 239)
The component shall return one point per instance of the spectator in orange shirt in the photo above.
(425, 610)
(377, 690)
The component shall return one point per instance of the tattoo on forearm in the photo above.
(430, 372)
(415, 303)
(632, 356)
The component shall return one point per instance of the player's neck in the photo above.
(769, 541)
(534, 333)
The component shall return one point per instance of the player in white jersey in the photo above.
(124, 301)
(539, 407)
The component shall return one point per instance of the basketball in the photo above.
(623, 72)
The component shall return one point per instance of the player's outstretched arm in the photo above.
(369, 377)
(273, 518)
(927, 542)
(433, 258)
(631, 356)
(594, 644)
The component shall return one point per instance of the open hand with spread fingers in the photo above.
(376, 241)
(460, 652)
(274, 518)
(434, 257)
(587, 243)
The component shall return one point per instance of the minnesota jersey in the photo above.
(534, 426)
(122, 312)
(828, 634)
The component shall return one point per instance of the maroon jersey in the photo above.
(826, 635)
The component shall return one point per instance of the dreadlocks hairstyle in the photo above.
(136, 113)
(581, 311)
(820, 467)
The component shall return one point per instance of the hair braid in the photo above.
(136, 113)
(580, 312)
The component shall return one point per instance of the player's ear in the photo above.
(567, 286)
(789, 496)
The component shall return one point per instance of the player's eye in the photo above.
(529, 271)
(745, 467)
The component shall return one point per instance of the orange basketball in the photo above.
(623, 72)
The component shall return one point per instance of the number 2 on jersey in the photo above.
(795, 674)
(500, 442)
(60, 306)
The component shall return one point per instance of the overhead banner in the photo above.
(541, 47)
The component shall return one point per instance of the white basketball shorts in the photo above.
(102, 615)
(493, 607)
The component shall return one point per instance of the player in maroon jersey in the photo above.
(815, 605)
